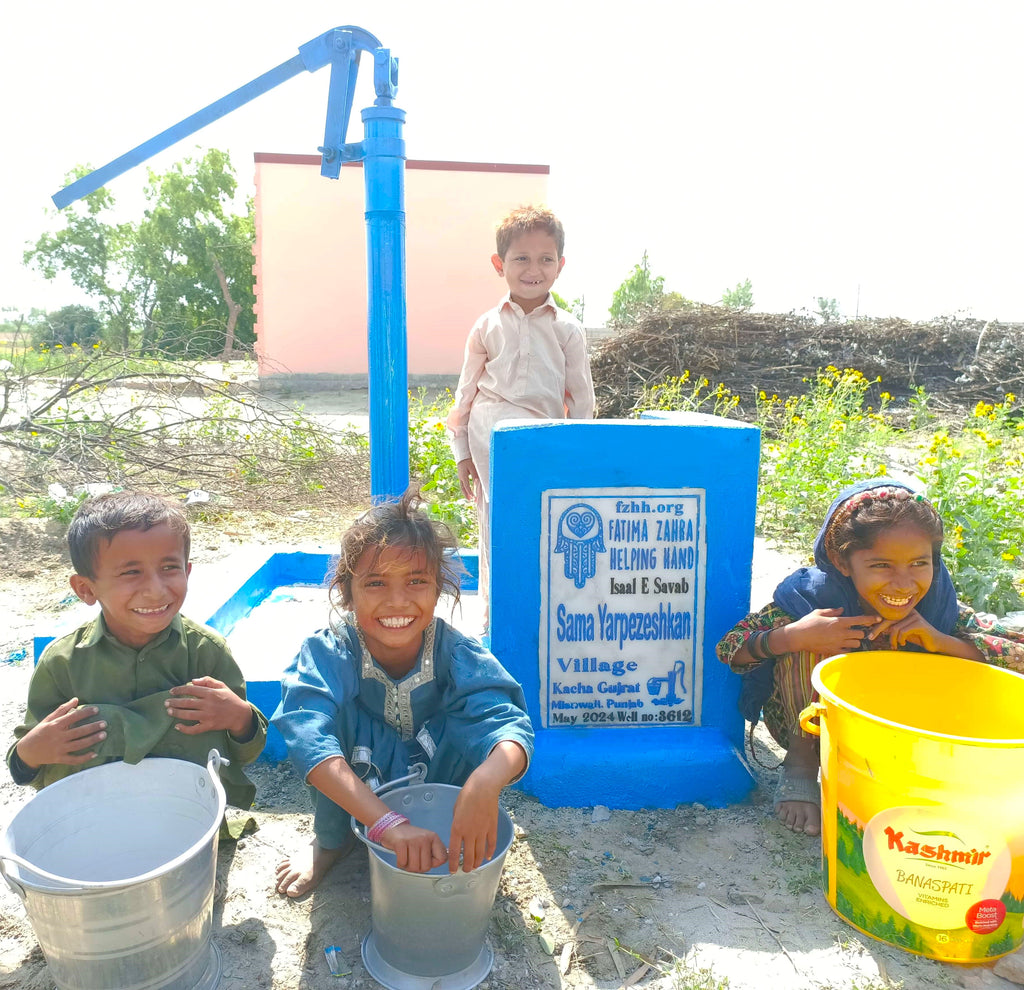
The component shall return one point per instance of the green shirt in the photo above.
(130, 687)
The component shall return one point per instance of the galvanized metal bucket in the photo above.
(116, 868)
(429, 928)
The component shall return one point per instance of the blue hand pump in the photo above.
(382, 152)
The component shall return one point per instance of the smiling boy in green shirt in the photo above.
(139, 679)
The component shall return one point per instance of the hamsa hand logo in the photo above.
(580, 539)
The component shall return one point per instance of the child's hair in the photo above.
(397, 524)
(524, 220)
(104, 516)
(862, 518)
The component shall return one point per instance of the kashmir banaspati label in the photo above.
(938, 868)
(622, 593)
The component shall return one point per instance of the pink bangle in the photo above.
(386, 821)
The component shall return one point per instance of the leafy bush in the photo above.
(639, 293)
(681, 394)
(813, 445)
(69, 326)
(432, 465)
(974, 479)
(742, 297)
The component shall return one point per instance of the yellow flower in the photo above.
(1008, 556)
(882, 470)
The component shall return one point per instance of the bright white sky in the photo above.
(867, 150)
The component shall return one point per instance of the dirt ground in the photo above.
(690, 897)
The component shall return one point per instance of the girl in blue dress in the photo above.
(389, 685)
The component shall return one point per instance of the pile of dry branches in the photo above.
(173, 429)
(960, 360)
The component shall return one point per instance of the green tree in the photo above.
(69, 325)
(97, 257)
(203, 252)
(742, 297)
(179, 279)
(640, 294)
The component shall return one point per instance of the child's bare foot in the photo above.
(797, 801)
(300, 874)
(797, 795)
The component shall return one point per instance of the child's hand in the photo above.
(61, 737)
(826, 631)
(468, 478)
(912, 628)
(474, 825)
(416, 849)
(208, 705)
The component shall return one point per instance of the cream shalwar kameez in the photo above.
(517, 366)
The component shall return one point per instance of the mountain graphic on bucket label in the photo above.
(935, 867)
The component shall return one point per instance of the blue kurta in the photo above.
(448, 712)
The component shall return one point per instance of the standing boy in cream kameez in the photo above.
(525, 359)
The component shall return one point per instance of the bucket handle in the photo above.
(814, 710)
(417, 776)
(214, 761)
(65, 887)
(10, 881)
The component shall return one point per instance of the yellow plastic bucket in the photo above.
(922, 785)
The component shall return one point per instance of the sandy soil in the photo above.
(690, 897)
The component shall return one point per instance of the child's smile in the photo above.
(894, 574)
(393, 597)
(394, 622)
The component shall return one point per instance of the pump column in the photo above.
(384, 169)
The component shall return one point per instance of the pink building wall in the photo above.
(311, 260)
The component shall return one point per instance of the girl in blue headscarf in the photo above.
(878, 583)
